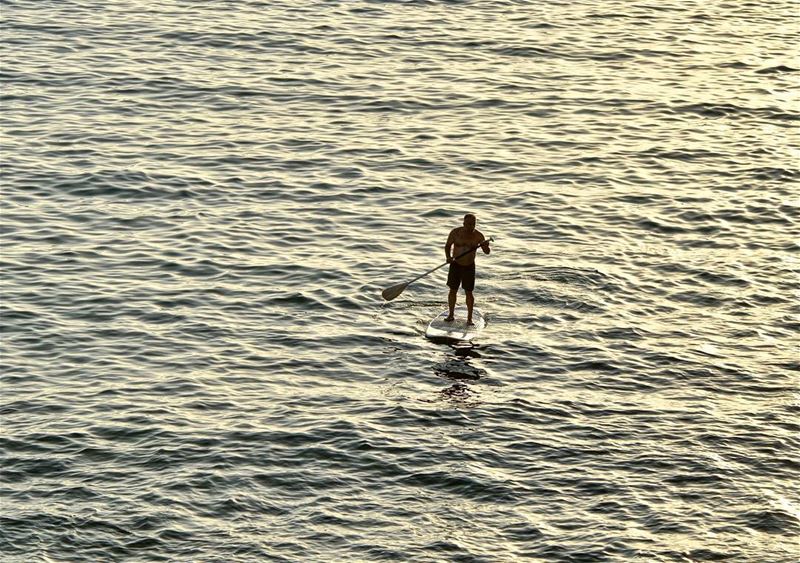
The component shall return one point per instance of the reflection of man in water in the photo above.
(462, 270)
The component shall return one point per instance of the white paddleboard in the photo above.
(456, 330)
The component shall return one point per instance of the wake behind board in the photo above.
(456, 330)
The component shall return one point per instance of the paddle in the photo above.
(391, 292)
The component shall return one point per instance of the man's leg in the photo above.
(451, 302)
(470, 305)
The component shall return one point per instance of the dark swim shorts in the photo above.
(461, 275)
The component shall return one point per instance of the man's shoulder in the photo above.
(479, 235)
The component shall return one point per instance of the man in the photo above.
(462, 268)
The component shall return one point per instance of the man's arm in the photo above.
(449, 245)
(484, 243)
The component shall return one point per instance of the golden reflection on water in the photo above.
(205, 200)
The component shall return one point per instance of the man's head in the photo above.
(469, 222)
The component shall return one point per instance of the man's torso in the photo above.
(463, 241)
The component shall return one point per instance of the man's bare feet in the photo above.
(449, 319)
(470, 323)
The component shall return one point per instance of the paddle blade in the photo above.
(391, 292)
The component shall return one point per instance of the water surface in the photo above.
(203, 200)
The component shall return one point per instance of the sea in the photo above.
(202, 201)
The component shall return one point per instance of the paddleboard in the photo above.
(456, 330)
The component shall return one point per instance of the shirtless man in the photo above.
(462, 270)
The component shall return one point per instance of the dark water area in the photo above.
(202, 201)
